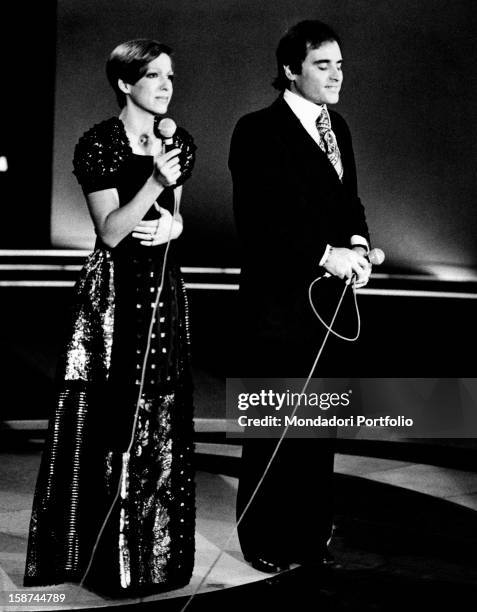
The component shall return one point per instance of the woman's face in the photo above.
(153, 91)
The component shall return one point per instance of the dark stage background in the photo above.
(409, 98)
(408, 95)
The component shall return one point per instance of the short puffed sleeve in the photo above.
(99, 154)
(184, 141)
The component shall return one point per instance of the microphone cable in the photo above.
(139, 397)
(375, 257)
(275, 450)
(329, 327)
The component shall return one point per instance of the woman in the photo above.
(118, 458)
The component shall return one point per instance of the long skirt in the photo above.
(114, 503)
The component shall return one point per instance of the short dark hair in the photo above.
(128, 62)
(295, 44)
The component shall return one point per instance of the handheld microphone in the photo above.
(376, 257)
(167, 128)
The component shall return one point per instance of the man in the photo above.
(298, 215)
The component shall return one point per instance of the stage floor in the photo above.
(399, 526)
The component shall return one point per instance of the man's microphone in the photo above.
(167, 128)
(376, 257)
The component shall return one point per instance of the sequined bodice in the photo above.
(103, 151)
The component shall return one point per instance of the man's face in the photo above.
(321, 75)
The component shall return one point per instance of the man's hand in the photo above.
(346, 263)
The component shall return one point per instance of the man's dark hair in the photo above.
(294, 46)
(129, 61)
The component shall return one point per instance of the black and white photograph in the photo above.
(238, 285)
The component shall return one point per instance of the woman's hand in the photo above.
(159, 231)
(167, 168)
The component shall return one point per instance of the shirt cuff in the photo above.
(325, 255)
(357, 239)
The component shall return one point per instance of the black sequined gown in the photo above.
(99, 445)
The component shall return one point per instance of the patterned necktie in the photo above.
(328, 143)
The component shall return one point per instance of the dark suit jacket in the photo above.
(289, 204)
